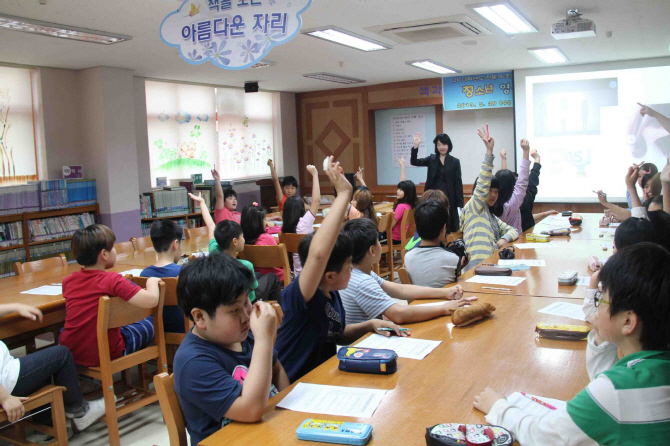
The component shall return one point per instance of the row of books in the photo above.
(51, 250)
(58, 227)
(173, 200)
(8, 258)
(11, 234)
(46, 195)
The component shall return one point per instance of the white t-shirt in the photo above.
(9, 368)
(305, 226)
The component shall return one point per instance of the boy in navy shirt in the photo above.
(314, 317)
(221, 372)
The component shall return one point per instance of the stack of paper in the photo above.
(405, 347)
(333, 400)
(497, 280)
(564, 309)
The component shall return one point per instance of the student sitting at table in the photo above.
(430, 194)
(362, 205)
(222, 372)
(166, 236)
(284, 190)
(253, 225)
(298, 220)
(406, 200)
(626, 402)
(227, 237)
(20, 377)
(314, 318)
(430, 264)
(93, 247)
(368, 296)
(512, 190)
(226, 202)
(483, 232)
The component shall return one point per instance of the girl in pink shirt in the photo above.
(253, 226)
(406, 200)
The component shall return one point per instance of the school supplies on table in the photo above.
(564, 309)
(46, 290)
(558, 232)
(535, 405)
(367, 360)
(338, 432)
(333, 400)
(496, 289)
(562, 331)
(497, 280)
(492, 271)
(528, 262)
(458, 434)
(466, 315)
(567, 278)
(539, 238)
(410, 348)
(575, 220)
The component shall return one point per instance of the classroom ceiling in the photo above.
(639, 30)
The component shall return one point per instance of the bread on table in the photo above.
(467, 315)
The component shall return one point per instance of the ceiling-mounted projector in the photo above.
(573, 27)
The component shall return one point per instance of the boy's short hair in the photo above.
(660, 221)
(289, 181)
(225, 232)
(435, 195)
(343, 250)
(632, 231)
(430, 218)
(88, 242)
(227, 193)
(209, 282)
(637, 278)
(164, 232)
(364, 234)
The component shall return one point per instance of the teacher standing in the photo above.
(444, 173)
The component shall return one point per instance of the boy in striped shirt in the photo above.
(627, 401)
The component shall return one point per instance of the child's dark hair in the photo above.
(506, 182)
(252, 221)
(164, 232)
(363, 235)
(365, 203)
(637, 279)
(430, 217)
(660, 220)
(209, 282)
(289, 181)
(444, 139)
(649, 167)
(88, 242)
(495, 184)
(225, 232)
(435, 195)
(294, 209)
(632, 231)
(227, 193)
(343, 250)
(657, 200)
(409, 189)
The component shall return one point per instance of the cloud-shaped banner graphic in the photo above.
(232, 34)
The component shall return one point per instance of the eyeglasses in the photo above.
(597, 299)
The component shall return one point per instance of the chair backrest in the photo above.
(268, 256)
(274, 214)
(125, 249)
(404, 276)
(142, 243)
(40, 265)
(383, 223)
(174, 418)
(197, 232)
(408, 227)
(291, 241)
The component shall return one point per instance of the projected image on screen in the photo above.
(588, 128)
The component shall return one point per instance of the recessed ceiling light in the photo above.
(550, 55)
(431, 65)
(504, 16)
(63, 31)
(334, 78)
(346, 38)
(264, 64)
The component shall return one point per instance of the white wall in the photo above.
(142, 135)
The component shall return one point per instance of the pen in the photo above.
(494, 288)
(489, 264)
(539, 401)
(391, 329)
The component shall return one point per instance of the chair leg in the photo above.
(142, 370)
(58, 418)
(110, 411)
(389, 258)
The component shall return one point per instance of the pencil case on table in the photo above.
(458, 434)
(575, 220)
(367, 360)
(542, 238)
(563, 332)
(594, 263)
(492, 271)
(558, 232)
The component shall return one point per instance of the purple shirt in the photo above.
(511, 214)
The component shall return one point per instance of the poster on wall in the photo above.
(231, 34)
(403, 129)
(478, 91)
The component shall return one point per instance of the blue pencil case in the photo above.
(367, 360)
(338, 432)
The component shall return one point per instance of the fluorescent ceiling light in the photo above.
(504, 16)
(264, 64)
(550, 55)
(334, 78)
(433, 66)
(63, 31)
(346, 38)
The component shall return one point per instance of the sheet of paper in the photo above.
(497, 280)
(405, 347)
(46, 290)
(583, 281)
(318, 225)
(531, 407)
(134, 272)
(535, 245)
(333, 400)
(432, 304)
(529, 262)
(573, 311)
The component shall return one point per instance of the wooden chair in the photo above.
(40, 265)
(114, 312)
(197, 232)
(291, 241)
(384, 224)
(171, 409)
(406, 235)
(268, 257)
(404, 276)
(125, 249)
(52, 395)
(142, 243)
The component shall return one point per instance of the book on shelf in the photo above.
(8, 258)
(81, 192)
(19, 199)
(58, 227)
(52, 250)
(169, 202)
(146, 200)
(52, 194)
(208, 193)
(11, 234)
(224, 184)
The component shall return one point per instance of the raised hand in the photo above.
(665, 173)
(312, 169)
(525, 145)
(646, 110)
(503, 154)
(602, 197)
(632, 176)
(535, 155)
(401, 161)
(359, 174)
(197, 199)
(271, 164)
(342, 185)
(417, 139)
(488, 140)
(215, 175)
(263, 321)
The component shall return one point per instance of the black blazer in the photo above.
(452, 177)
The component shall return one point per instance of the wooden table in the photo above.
(589, 230)
(501, 352)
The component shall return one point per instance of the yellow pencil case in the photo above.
(543, 238)
(563, 332)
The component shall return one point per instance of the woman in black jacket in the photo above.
(444, 173)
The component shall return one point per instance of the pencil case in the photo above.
(339, 432)
(492, 271)
(575, 220)
(367, 360)
(566, 213)
(531, 237)
(563, 332)
(558, 232)
(594, 263)
(457, 434)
